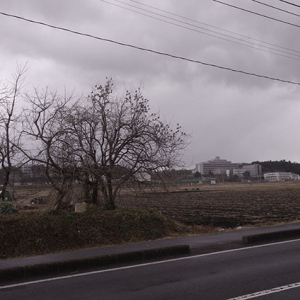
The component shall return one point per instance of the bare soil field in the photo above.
(224, 205)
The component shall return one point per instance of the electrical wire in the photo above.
(290, 3)
(218, 28)
(277, 8)
(258, 14)
(147, 49)
(238, 40)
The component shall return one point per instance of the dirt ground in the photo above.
(225, 205)
(221, 205)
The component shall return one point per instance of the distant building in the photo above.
(281, 176)
(27, 170)
(31, 171)
(254, 170)
(219, 166)
(216, 165)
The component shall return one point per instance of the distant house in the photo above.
(281, 176)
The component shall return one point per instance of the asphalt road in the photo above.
(264, 272)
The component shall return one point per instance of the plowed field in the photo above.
(225, 205)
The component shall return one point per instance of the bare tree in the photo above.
(116, 134)
(101, 142)
(51, 142)
(9, 137)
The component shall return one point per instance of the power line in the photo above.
(218, 28)
(238, 40)
(277, 8)
(290, 3)
(258, 14)
(148, 50)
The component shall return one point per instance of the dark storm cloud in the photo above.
(239, 117)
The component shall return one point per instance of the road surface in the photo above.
(269, 271)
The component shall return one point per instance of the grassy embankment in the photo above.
(36, 233)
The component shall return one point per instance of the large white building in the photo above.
(223, 166)
(216, 165)
(281, 176)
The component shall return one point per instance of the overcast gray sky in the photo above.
(235, 116)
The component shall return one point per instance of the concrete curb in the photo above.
(55, 268)
(271, 236)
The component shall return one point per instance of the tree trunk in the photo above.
(58, 202)
(5, 184)
(95, 193)
(109, 201)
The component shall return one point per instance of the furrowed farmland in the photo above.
(225, 205)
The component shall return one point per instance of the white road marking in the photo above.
(143, 265)
(268, 292)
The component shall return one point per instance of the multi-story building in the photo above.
(31, 171)
(216, 165)
(223, 166)
(281, 176)
(27, 170)
(254, 170)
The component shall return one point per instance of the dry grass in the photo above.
(38, 233)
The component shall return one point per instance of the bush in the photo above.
(7, 208)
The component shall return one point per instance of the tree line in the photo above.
(279, 166)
